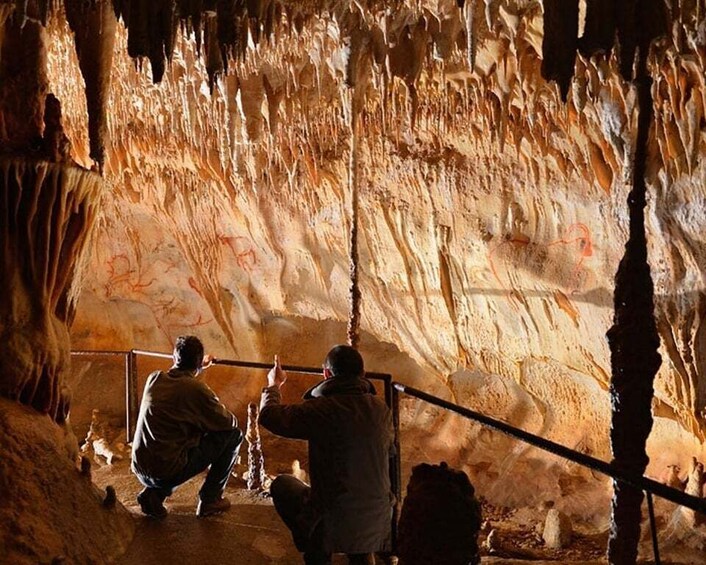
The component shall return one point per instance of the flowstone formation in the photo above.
(50, 512)
(47, 209)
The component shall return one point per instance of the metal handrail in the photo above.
(639, 482)
(80, 352)
(258, 365)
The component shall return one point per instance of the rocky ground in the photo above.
(252, 531)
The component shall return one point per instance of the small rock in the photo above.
(86, 467)
(492, 542)
(557, 529)
(110, 497)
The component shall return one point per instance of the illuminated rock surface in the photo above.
(491, 232)
(48, 510)
(492, 213)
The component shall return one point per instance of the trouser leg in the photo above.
(317, 558)
(290, 497)
(361, 559)
(222, 450)
(154, 486)
(217, 449)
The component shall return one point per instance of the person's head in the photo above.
(343, 362)
(188, 353)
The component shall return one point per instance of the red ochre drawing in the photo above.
(131, 283)
(194, 285)
(582, 237)
(242, 250)
(580, 246)
(120, 272)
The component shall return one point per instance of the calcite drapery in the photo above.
(46, 211)
(47, 208)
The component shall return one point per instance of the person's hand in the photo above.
(277, 376)
(207, 361)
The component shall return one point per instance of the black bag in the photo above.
(440, 518)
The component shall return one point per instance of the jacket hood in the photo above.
(338, 385)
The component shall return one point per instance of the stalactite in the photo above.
(23, 83)
(599, 28)
(138, 39)
(214, 61)
(468, 9)
(559, 42)
(94, 29)
(226, 18)
(638, 22)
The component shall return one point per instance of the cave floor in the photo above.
(250, 533)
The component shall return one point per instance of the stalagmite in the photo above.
(695, 487)
(256, 462)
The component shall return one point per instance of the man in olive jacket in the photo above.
(182, 430)
(348, 508)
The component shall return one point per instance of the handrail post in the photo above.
(653, 526)
(396, 469)
(131, 407)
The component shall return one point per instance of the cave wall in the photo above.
(493, 217)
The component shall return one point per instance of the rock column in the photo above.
(47, 209)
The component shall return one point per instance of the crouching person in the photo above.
(183, 429)
(348, 507)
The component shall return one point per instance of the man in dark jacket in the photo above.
(183, 429)
(348, 508)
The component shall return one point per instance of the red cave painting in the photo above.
(131, 283)
(120, 272)
(242, 250)
(195, 287)
(571, 252)
(580, 236)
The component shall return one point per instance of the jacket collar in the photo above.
(176, 373)
(337, 385)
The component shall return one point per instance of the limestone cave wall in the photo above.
(493, 214)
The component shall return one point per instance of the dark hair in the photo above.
(188, 352)
(344, 362)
